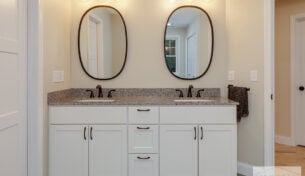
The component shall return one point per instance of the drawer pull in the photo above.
(91, 133)
(143, 158)
(85, 138)
(143, 110)
(195, 131)
(201, 133)
(143, 128)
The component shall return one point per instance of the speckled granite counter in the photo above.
(142, 97)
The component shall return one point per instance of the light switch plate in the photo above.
(231, 75)
(253, 75)
(58, 76)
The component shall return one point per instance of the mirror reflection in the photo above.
(102, 42)
(188, 42)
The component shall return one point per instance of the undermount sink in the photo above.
(193, 100)
(97, 100)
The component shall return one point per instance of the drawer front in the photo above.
(143, 115)
(144, 165)
(198, 115)
(143, 138)
(87, 115)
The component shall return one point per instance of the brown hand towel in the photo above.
(240, 95)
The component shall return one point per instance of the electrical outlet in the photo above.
(58, 76)
(253, 75)
(231, 75)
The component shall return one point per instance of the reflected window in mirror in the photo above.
(102, 42)
(188, 42)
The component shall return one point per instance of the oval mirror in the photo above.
(188, 42)
(102, 42)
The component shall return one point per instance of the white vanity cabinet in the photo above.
(143, 140)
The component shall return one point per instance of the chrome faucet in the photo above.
(100, 91)
(189, 91)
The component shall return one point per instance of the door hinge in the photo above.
(271, 96)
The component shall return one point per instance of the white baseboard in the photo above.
(284, 140)
(244, 169)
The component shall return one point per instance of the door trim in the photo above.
(293, 22)
(269, 132)
(35, 114)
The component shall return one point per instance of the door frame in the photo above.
(293, 22)
(269, 78)
(35, 107)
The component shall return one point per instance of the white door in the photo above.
(300, 81)
(143, 165)
(13, 89)
(108, 150)
(217, 150)
(192, 56)
(68, 154)
(178, 150)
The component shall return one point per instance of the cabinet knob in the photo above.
(301, 88)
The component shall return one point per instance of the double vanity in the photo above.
(143, 132)
(138, 135)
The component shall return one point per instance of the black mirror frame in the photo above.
(126, 43)
(212, 48)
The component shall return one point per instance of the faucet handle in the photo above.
(198, 92)
(181, 93)
(91, 93)
(110, 93)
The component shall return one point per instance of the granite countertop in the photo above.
(147, 100)
(211, 96)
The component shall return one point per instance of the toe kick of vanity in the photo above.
(142, 140)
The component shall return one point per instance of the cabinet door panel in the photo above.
(68, 150)
(217, 150)
(178, 150)
(108, 150)
(143, 165)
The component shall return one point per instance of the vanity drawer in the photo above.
(143, 138)
(143, 164)
(143, 115)
(198, 115)
(87, 115)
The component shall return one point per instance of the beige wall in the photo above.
(284, 9)
(246, 52)
(56, 51)
(145, 67)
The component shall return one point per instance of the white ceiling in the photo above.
(184, 16)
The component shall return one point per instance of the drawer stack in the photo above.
(143, 143)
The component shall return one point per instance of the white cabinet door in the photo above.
(178, 150)
(68, 150)
(108, 150)
(217, 150)
(143, 165)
